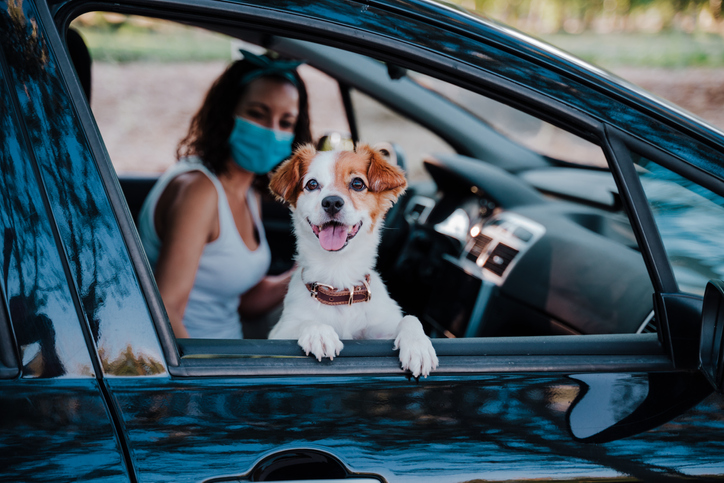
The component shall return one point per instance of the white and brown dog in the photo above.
(338, 201)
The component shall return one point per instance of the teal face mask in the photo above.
(256, 148)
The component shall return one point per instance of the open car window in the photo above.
(493, 239)
(149, 77)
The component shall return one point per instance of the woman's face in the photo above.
(270, 102)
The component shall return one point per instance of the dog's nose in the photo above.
(332, 204)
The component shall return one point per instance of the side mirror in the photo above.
(711, 353)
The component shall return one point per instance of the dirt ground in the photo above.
(143, 109)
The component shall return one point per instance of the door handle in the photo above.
(289, 465)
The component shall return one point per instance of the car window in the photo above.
(501, 242)
(690, 219)
(377, 123)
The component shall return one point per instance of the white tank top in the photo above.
(227, 268)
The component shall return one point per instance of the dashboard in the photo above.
(487, 253)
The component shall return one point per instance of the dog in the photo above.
(338, 200)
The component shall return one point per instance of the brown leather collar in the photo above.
(329, 295)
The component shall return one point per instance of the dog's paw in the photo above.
(321, 341)
(416, 351)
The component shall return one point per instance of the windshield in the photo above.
(529, 131)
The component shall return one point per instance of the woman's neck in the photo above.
(237, 180)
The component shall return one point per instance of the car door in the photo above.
(55, 419)
(545, 408)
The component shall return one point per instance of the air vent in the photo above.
(418, 209)
(649, 326)
(480, 243)
(500, 258)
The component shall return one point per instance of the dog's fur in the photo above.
(327, 257)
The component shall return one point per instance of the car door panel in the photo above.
(56, 430)
(445, 428)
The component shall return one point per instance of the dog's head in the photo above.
(339, 194)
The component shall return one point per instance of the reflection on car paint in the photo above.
(514, 425)
(58, 430)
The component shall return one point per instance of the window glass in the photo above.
(690, 219)
(377, 123)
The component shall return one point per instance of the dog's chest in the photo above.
(349, 321)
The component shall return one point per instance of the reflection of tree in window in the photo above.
(96, 254)
(690, 219)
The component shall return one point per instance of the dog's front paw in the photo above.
(416, 351)
(321, 340)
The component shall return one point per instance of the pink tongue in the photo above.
(333, 237)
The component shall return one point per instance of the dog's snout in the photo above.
(332, 204)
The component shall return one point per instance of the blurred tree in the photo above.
(576, 16)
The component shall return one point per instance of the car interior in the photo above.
(510, 226)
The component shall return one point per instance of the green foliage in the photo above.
(666, 49)
(129, 39)
(551, 16)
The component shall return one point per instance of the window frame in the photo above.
(620, 145)
(9, 366)
(9, 356)
(678, 314)
(639, 353)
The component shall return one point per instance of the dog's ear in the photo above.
(381, 175)
(286, 182)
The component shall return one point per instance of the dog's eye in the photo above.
(357, 184)
(312, 185)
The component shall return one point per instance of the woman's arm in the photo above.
(186, 219)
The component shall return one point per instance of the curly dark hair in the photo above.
(211, 126)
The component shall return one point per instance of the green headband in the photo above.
(268, 67)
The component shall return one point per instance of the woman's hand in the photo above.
(265, 295)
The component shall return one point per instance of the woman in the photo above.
(201, 224)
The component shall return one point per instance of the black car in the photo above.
(561, 240)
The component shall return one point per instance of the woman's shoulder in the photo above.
(190, 200)
(193, 188)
